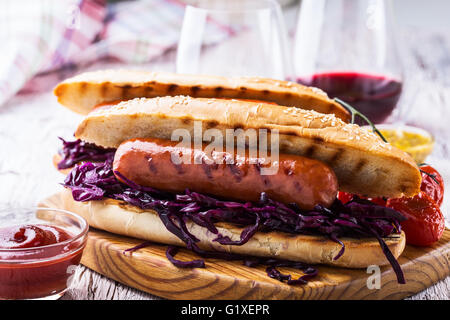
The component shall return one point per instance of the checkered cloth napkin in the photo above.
(40, 37)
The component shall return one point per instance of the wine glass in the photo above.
(348, 49)
(234, 38)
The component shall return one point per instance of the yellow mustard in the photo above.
(417, 142)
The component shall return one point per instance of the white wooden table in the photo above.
(30, 125)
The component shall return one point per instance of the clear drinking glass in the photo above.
(348, 49)
(234, 38)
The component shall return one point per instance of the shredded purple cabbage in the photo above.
(358, 218)
(76, 151)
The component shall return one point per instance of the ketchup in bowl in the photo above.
(29, 236)
(38, 258)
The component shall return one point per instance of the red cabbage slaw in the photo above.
(358, 218)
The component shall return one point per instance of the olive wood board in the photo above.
(148, 269)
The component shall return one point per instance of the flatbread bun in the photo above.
(83, 92)
(120, 218)
(363, 163)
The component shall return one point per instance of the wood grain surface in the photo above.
(149, 270)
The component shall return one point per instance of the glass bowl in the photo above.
(417, 142)
(45, 271)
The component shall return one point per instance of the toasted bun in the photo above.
(83, 92)
(363, 163)
(113, 216)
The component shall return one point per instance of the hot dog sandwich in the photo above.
(126, 176)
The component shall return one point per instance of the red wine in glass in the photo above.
(374, 96)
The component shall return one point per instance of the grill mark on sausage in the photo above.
(237, 173)
(265, 92)
(207, 170)
(258, 166)
(151, 165)
(266, 181)
(178, 167)
(298, 186)
(288, 170)
(264, 178)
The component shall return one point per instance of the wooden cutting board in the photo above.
(149, 270)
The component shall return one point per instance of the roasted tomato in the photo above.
(346, 197)
(425, 224)
(432, 184)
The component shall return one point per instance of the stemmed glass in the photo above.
(234, 38)
(348, 49)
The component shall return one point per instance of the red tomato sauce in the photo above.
(36, 273)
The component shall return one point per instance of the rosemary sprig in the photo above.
(432, 176)
(355, 112)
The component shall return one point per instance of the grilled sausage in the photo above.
(300, 180)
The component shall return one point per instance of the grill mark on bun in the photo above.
(104, 89)
(118, 87)
(212, 124)
(310, 151)
(287, 133)
(404, 187)
(336, 156)
(186, 120)
(148, 90)
(318, 140)
(172, 87)
(195, 90)
(218, 90)
(126, 90)
(361, 163)
(83, 87)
